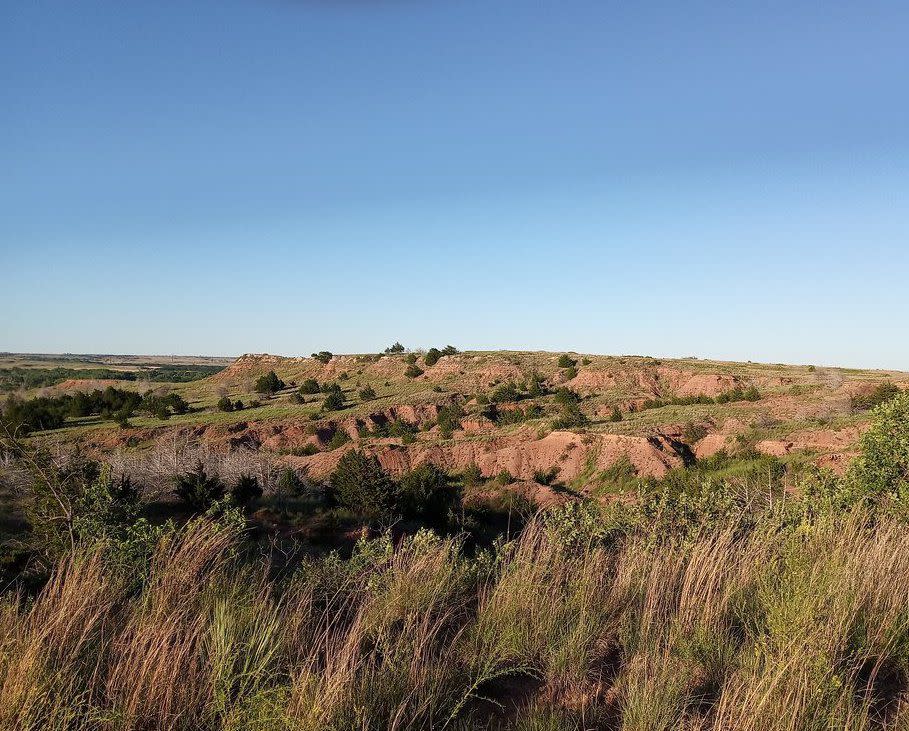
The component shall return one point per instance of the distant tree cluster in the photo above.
(50, 412)
(735, 394)
(396, 348)
(16, 378)
(323, 356)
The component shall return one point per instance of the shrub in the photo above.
(449, 350)
(396, 348)
(334, 401)
(570, 373)
(566, 361)
(338, 439)
(367, 394)
(545, 477)
(570, 418)
(585, 361)
(225, 404)
(323, 356)
(269, 383)
(361, 485)
(432, 357)
(428, 493)
(505, 393)
(616, 415)
(246, 490)
(198, 490)
(410, 358)
(692, 432)
(752, 394)
(450, 419)
(296, 398)
(536, 386)
(289, 483)
(238, 405)
(882, 393)
(883, 467)
(471, 476)
(309, 387)
(413, 371)
(566, 396)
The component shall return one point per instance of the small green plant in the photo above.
(616, 415)
(413, 371)
(367, 393)
(225, 404)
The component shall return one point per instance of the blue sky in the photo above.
(715, 179)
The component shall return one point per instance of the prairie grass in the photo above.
(774, 629)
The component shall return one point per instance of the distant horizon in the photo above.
(419, 349)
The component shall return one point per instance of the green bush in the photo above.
(367, 394)
(396, 348)
(566, 361)
(505, 393)
(432, 357)
(410, 358)
(269, 383)
(427, 493)
(545, 477)
(450, 419)
(334, 401)
(309, 387)
(450, 350)
(360, 485)
(883, 467)
(616, 415)
(323, 356)
(225, 404)
(882, 393)
(197, 489)
(338, 439)
(570, 373)
(413, 371)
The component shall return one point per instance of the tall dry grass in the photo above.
(774, 629)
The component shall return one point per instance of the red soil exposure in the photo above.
(521, 455)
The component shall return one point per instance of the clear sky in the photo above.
(702, 178)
